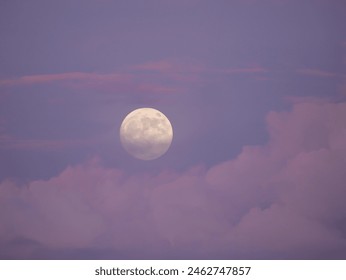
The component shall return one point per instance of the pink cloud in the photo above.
(284, 199)
(317, 73)
(122, 82)
(283, 233)
(309, 127)
(69, 76)
(163, 76)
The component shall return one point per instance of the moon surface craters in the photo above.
(146, 133)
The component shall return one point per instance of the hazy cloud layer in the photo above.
(285, 199)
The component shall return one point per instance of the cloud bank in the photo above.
(283, 200)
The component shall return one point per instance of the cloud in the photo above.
(318, 73)
(135, 75)
(166, 76)
(120, 85)
(278, 232)
(93, 78)
(281, 200)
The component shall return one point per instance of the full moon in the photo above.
(146, 133)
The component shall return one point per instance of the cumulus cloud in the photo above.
(285, 199)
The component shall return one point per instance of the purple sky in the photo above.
(256, 94)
